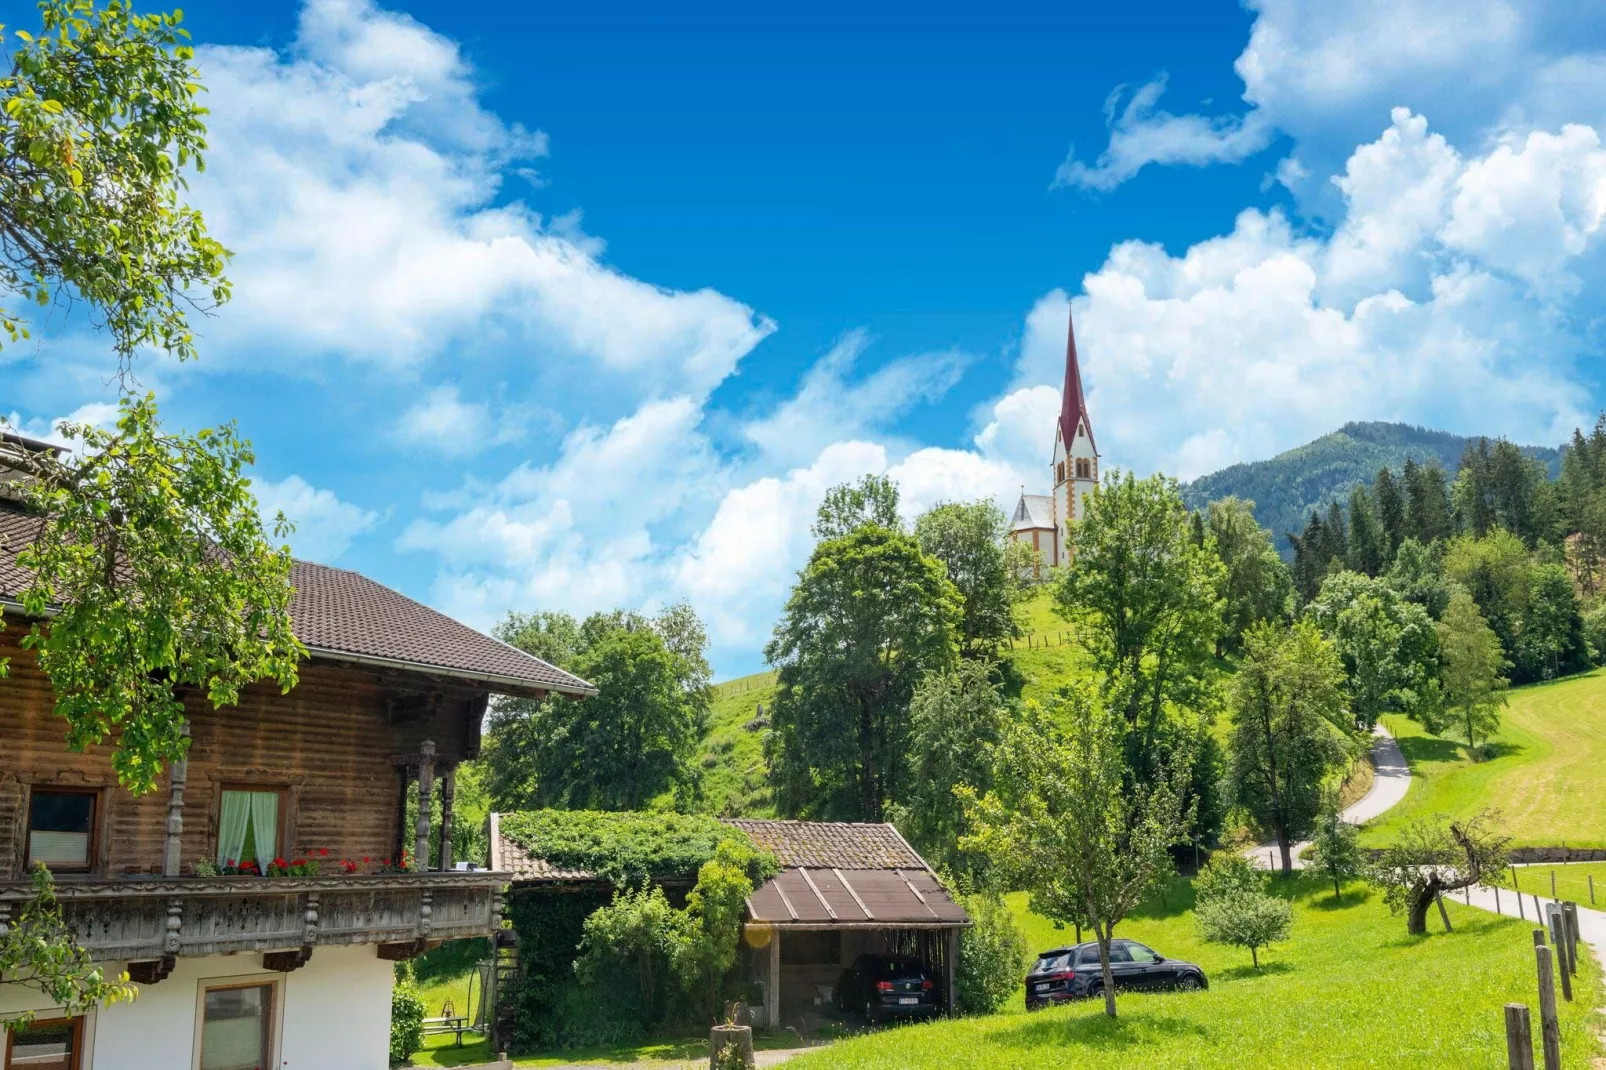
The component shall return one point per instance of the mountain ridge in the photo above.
(1286, 487)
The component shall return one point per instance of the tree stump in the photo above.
(725, 1039)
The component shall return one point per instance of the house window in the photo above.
(1059, 472)
(237, 1027)
(248, 827)
(56, 1044)
(61, 829)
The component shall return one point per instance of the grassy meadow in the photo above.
(1350, 989)
(1546, 773)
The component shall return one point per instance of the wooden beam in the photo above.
(403, 950)
(151, 971)
(286, 961)
(426, 785)
(448, 794)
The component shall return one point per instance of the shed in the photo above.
(843, 890)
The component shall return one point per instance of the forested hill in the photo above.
(1288, 486)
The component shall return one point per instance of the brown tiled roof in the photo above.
(832, 844)
(508, 856)
(343, 615)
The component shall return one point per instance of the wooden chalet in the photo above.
(250, 970)
(843, 890)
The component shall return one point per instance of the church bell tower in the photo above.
(1076, 456)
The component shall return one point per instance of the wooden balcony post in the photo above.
(177, 776)
(448, 793)
(426, 786)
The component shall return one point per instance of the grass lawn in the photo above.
(1547, 775)
(1572, 881)
(654, 1054)
(1350, 989)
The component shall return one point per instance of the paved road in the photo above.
(1591, 923)
(1389, 786)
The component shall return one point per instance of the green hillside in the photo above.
(731, 759)
(1348, 989)
(1288, 486)
(1545, 777)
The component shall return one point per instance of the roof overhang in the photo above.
(506, 685)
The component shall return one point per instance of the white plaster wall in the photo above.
(334, 1013)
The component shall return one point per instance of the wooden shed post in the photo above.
(426, 786)
(772, 991)
(448, 794)
(951, 959)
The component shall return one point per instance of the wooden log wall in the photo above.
(328, 744)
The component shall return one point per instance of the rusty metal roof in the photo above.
(854, 899)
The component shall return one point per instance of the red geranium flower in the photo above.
(324, 851)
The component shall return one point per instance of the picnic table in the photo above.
(455, 1023)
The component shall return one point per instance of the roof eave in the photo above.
(514, 685)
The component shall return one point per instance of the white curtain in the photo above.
(232, 823)
(265, 825)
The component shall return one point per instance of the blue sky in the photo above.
(575, 308)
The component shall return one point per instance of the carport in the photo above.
(843, 890)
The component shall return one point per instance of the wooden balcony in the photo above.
(148, 921)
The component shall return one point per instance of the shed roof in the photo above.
(345, 616)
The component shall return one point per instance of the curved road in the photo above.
(1389, 786)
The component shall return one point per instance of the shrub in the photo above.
(1232, 906)
(406, 1017)
(992, 956)
(1595, 632)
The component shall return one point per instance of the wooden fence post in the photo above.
(1558, 937)
(1520, 913)
(1591, 877)
(1549, 1026)
(1444, 915)
(1569, 917)
(1552, 884)
(1519, 1038)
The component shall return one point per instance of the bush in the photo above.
(1232, 906)
(1595, 632)
(406, 1017)
(992, 956)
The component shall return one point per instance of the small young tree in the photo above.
(1232, 907)
(1064, 822)
(1336, 847)
(635, 934)
(711, 926)
(1435, 857)
(1471, 661)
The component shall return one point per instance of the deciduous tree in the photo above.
(1256, 585)
(1290, 728)
(971, 539)
(1336, 850)
(1387, 645)
(1432, 858)
(1472, 664)
(869, 617)
(1064, 822)
(1233, 908)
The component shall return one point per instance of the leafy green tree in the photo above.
(1257, 584)
(1552, 639)
(99, 117)
(622, 747)
(850, 506)
(1064, 822)
(1472, 662)
(1335, 853)
(1432, 858)
(1147, 607)
(1417, 575)
(971, 539)
(40, 951)
(1494, 569)
(1290, 729)
(956, 718)
(1594, 628)
(869, 617)
(992, 956)
(153, 570)
(1241, 914)
(1387, 645)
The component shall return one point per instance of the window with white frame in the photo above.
(237, 1027)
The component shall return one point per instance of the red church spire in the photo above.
(1073, 406)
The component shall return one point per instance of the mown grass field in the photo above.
(1547, 775)
(1572, 881)
(1350, 989)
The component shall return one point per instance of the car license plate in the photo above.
(908, 1001)
(1041, 987)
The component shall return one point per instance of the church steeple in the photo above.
(1073, 406)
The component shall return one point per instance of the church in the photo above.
(1044, 520)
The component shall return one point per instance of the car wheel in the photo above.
(1095, 991)
(1189, 983)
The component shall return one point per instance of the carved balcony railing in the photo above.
(152, 920)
